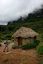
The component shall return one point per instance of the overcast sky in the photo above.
(13, 9)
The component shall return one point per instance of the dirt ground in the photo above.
(18, 56)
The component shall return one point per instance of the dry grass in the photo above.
(19, 56)
(25, 32)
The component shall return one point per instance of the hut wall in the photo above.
(15, 42)
(26, 40)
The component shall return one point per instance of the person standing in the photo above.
(6, 46)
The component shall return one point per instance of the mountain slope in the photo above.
(33, 20)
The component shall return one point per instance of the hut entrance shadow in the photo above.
(19, 41)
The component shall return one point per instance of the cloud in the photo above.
(13, 9)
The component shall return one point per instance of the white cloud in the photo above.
(13, 9)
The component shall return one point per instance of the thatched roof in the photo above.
(25, 33)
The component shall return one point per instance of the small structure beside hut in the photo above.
(24, 35)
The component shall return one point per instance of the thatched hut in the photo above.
(24, 35)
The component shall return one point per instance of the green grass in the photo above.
(40, 49)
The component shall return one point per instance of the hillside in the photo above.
(33, 20)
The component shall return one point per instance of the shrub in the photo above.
(13, 46)
(35, 43)
(40, 50)
(27, 46)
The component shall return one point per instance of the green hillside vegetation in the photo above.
(33, 20)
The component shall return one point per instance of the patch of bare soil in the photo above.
(19, 56)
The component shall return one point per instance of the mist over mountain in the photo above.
(13, 9)
(35, 14)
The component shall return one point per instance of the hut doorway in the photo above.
(19, 41)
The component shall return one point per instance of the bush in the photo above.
(27, 46)
(13, 46)
(30, 45)
(35, 43)
(40, 50)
